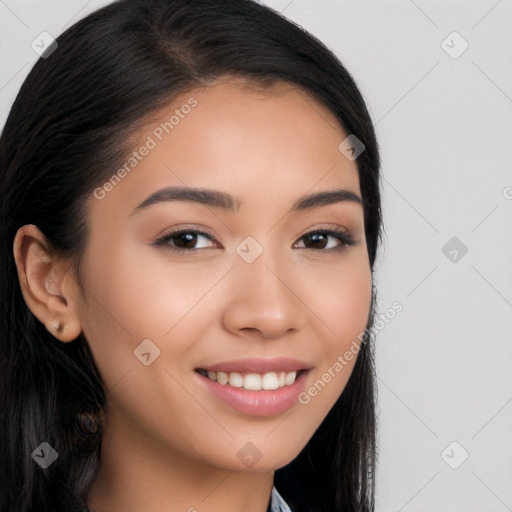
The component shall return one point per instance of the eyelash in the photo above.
(340, 234)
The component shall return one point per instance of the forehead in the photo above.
(239, 118)
(237, 136)
(266, 106)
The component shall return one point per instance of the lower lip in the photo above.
(258, 403)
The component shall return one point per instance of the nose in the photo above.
(261, 298)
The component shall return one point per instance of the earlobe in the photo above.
(49, 290)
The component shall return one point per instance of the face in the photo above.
(242, 284)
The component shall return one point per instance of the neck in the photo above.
(140, 475)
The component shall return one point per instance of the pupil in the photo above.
(318, 239)
(188, 239)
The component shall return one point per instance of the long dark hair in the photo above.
(68, 128)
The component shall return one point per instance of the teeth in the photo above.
(236, 379)
(270, 381)
(290, 378)
(253, 381)
(222, 378)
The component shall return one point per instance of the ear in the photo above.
(47, 283)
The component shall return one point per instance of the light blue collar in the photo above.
(277, 503)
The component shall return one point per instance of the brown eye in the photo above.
(319, 239)
(184, 240)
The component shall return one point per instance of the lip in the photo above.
(258, 365)
(257, 403)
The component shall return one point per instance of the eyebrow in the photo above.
(228, 203)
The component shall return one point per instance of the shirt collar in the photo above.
(277, 503)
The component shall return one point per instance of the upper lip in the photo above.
(258, 365)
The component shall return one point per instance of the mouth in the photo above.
(252, 381)
(268, 392)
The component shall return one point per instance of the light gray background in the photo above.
(445, 130)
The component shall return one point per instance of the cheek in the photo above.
(131, 297)
(343, 305)
(340, 300)
(349, 303)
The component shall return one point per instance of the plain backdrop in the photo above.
(437, 78)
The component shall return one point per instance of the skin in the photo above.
(168, 443)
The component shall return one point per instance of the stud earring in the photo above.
(56, 326)
(86, 423)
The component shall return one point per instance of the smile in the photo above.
(255, 394)
(253, 381)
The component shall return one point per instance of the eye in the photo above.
(320, 239)
(183, 240)
(186, 240)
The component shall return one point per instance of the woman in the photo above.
(190, 219)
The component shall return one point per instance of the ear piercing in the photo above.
(56, 326)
